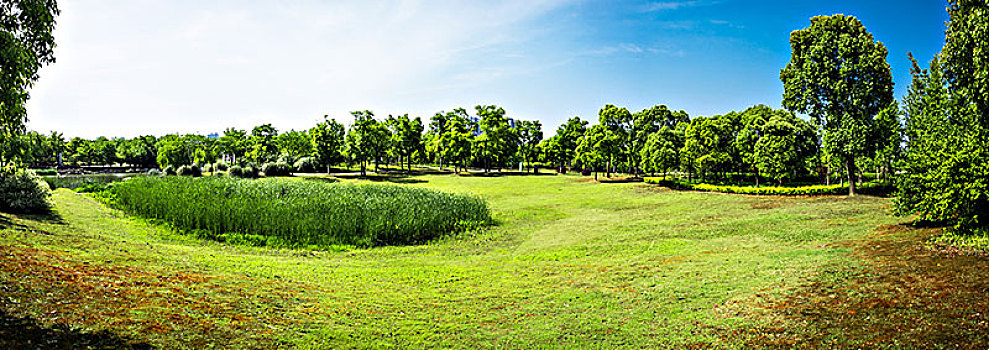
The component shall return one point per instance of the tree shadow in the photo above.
(399, 179)
(52, 218)
(26, 333)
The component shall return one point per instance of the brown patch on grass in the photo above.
(896, 293)
(766, 204)
(54, 291)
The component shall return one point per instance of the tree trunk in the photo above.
(850, 164)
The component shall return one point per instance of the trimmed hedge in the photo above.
(816, 190)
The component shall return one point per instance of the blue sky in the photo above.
(135, 67)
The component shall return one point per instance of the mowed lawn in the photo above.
(570, 263)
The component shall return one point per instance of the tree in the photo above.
(233, 143)
(362, 139)
(406, 137)
(498, 141)
(838, 75)
(139, 151)
(619, 123)
(661, 151)
(530, 133)
(327, 142)
(294, 145)
(456, 141)
(569, 135)
(591, 148)
(26, 44)
(647, 122)
(945, 171)
(263, 147)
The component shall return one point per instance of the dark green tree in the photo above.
(838, 75)
(327, 142)
(26, 44)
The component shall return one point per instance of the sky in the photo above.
(151, 67)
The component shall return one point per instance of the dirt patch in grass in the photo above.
(895, 292)
(46, 296)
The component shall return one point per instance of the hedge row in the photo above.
(816, 190)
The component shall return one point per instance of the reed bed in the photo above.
(300, 213)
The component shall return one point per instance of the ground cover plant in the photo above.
(300, 213)
(812, 190)
(571, 264)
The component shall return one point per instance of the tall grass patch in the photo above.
(300, 213)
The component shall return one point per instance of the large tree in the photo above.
(498, 141)
(946, 164)
(838, 75)
(530, 133)
(406, 137)
(26, 44)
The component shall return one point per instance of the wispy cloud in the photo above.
(635, 49)
(669, 5)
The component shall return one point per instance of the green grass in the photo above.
(280, 212)
(571, 264)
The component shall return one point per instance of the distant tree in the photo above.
(26, 44)
(406, 137)
(530, 133)
(498, 141)
(646, 123)
(263, 148)
(327, 142)
(294, 145)
(365, 140)
(139, 151)
(569, 135)
(456, 141)
(234, 144)
(838, 75)
(619, 123)
(589, 149)
(661, 151)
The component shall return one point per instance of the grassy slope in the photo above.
(571, 263)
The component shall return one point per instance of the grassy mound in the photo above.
(283, 212)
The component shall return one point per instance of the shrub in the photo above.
(154, 172)
(276, 169)
(301, 213)
(220, 166)
(816, 190)
(250, 172)
(46, 172)
(23, 191)
(208, 168)
(236, 171)
(189, 170)
(305, 165)
(168, 170)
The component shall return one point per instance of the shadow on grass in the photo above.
(26, 333)
(506, 174)
(396, 178)
(51, 218)
(894, 291)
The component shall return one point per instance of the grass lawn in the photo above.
(571, 263)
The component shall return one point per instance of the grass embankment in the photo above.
(571, 264)
(287, 213)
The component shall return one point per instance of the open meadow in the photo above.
(569, 263)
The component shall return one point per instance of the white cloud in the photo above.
(130, 67)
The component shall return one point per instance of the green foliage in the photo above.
(301, 213)
(327, 139)
(305, 165)
(26, 44)
(23, 191)
(498, 141)
(168, 170)
(294, 145)
(367, 140)
(816, 190)
(406, 138)
(76, 181)
(946, 164)
(276, 169)
(838, 75)
(189, 170)
(262, 144)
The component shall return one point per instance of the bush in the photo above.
(305, 165)
(154, 172)
(46, 172)
(236, 171)
(301, 213)
(816, 190)
(220, 166)
(23, 191)
(208, 168)
(250, 172)
(189, 170)
(276, 169)
(168, 170)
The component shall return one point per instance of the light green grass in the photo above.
(570, 264)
